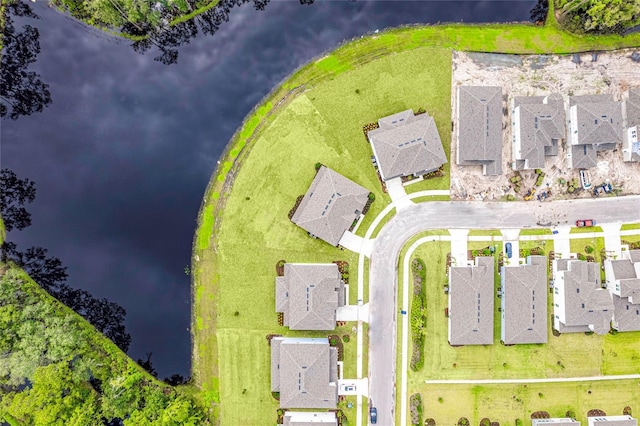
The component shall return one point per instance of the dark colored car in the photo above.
(507, 248)
(373, 415)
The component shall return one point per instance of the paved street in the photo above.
(444, 215)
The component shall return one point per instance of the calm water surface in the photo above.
(122, 157)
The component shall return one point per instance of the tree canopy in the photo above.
(55, 369)
(602, 16)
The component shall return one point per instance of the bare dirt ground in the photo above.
(540, 75)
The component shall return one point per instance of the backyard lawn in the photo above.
(505, 403)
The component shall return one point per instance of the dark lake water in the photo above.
(122, 156)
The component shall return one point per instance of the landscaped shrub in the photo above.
(627, 411)
(485, 422)
(518, 422)
(318, 165)
(346, 338)
(429, 422)
(415, 407)
(588, 249)
(372, 196)
(571, 414)
(463, 421)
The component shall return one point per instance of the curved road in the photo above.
(383, 272)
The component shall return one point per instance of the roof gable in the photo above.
(599, 119)
(471, 298)
(405, 144)
(330, 206)
(311, 292)
(479, 127)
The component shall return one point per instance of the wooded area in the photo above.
(598, 16)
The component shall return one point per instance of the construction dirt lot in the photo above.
(540, 75)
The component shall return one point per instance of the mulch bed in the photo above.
(336, 342)
(271, 336)
(280, 267)
(369, 127)
(295, 207)
(415, 408)
(367, 206)
(596, 413)
(540, 415)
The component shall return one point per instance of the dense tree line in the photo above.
(157, 24)
(598, 16)
(22, 92)
(55, 369)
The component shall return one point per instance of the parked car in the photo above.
(584, 179)
(349, 388)
(507, 248)
(373, 415)
(585, 223)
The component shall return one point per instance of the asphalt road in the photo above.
(383, 272)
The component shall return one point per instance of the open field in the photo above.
(505, 402)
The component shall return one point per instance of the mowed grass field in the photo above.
(505, 403)
(255, 232)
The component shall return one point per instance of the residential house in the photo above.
(524, 302)
(471, 297)
(309, 294)
(612, 421)
(330, 206)
(306, 418)
(406, 144)
(623, 281)
(566, 421)
(537, 128)
(478, 130)
(631, 148)
(595, 124)
(305, 372)
(580, 302)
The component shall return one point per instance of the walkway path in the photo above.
(519, 381)
(398, 194)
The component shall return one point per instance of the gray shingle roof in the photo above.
(479, 129)
(538, 125)
(302, 371)
(586, 302)
(306, 418)
(330, 206)
(583, 156)
(524, 302)
(406, 144)
(471, 296)
(633, 107)
(626, 316)
(612, 421)
(308, 295)
(595, 120)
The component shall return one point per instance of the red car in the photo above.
(585, 223)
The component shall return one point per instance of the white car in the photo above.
(584, 179)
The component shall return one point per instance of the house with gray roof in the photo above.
(309, 294)
(565, 421)
(330, 206)
(623, 281)
(537, 129)
(631, 148)
(305, 372)
(471, 296)
(406, 144)
(580, 303)
(612, 421)
(478, 129)
(595, 124)
(524, 302)
(310, 418)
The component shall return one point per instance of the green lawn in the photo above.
(628, 226)
(506, 402)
